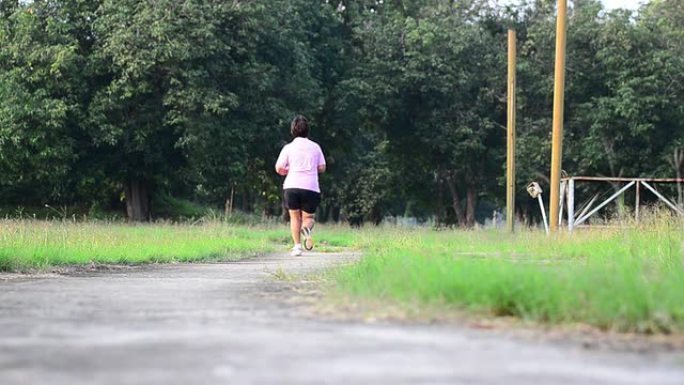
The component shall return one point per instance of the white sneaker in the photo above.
(296, 251)
(307, 235)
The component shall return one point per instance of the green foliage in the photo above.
(166, 206)
(40, 95)
(104, 99)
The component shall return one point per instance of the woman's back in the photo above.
(301, 158)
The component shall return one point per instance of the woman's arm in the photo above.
(282, 164)
(321, 161)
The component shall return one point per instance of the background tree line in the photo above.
(130, 104)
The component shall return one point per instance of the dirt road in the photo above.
(230, 324)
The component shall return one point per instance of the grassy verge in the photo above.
(38, 245)
(619, 279)
(29, 244)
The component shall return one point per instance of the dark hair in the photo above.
(300, 127)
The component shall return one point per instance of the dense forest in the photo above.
(125, 105)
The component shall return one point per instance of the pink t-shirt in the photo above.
(301, 158)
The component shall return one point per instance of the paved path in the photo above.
(212, 324)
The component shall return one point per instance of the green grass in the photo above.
(30, 244)
(628, 279)
(27, 244)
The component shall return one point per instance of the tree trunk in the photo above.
(230, 201)
(324, 213)
(137, 196)
(677, 161)
(335, 213)
(441, 214)
(679, 188)
(471, 204)
(375, 215)
(245, 202)
(455, 200)
(286, 214)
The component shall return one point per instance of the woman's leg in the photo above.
(309, 205)
(308, 219)
(308, 222)
(296, 225)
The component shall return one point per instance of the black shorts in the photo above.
(300, 199)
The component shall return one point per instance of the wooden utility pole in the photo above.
(558, 100)
(510, 158)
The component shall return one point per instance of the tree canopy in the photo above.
(116, 104)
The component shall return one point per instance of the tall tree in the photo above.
(41, 101)
(157, 61)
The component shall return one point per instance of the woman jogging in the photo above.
(301, 160)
